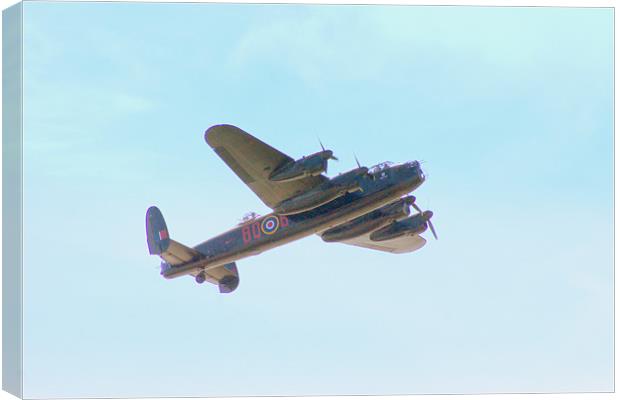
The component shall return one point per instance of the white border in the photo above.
(520, 3)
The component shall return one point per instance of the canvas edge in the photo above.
(12, 211)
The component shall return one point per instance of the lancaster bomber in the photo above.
(362, 207)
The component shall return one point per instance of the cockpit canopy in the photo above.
(375, 169)
(411, 164)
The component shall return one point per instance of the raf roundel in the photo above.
(270, 225)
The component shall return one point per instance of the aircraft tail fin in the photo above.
(176, 254)
(159, 242)
(157, 236)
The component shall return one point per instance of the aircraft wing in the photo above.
(253, 161)
(403, 244)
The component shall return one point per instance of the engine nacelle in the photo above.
(312, 165)
(369, 222)
(323, 194)
(313, 199)
(410, 226)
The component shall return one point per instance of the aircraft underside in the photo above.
(361, 208)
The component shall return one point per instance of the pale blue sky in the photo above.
(510, 108)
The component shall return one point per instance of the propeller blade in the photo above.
(331, 153)
(415, 206)
(357, 161)
(425, 215)
(430, 225)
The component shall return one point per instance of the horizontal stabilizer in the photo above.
(226, 277)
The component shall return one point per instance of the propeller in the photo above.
(426, 215)
(357, 161)
(328, 153)
(430, 224)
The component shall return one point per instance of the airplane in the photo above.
(363, 207)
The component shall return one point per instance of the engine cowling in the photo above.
(312, 165)
(369, 222)
(313, 199)
(413, 225)
(323, 194)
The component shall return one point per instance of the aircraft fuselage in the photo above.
(273, 230)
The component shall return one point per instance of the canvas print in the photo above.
(212, 199)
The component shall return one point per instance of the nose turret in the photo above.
(421, 175)
(415, 167)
